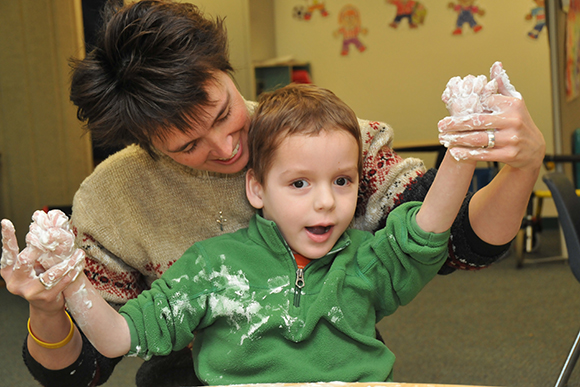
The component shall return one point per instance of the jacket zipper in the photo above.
(299, 285)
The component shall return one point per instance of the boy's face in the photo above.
(311, 190)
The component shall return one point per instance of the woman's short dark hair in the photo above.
(148, 72)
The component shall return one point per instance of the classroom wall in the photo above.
(400, 77)
(44, 155)
(569, 109)
(237, 18)
(262, 30)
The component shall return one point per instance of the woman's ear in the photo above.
(254, 190)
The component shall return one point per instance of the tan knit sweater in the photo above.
(135, 216)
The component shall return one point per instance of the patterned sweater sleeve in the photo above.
(389, 180)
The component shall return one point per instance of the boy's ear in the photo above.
(254, 190)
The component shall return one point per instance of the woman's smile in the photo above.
(233, 157)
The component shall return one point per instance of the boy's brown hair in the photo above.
(296, 109)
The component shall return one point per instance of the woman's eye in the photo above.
(225, 116)
(341, 181)
(299, 184)
(191, 148)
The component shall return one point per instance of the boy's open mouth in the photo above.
(319, 230)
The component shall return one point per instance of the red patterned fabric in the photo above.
(120, 284)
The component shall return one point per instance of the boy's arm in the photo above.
(106, 329)
(446, 194)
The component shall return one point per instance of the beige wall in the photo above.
(401, 76)
(262, 29)
(399, 79)
(44, 156)
(237, 16)
(569, 111)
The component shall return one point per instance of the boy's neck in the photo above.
(301, 260)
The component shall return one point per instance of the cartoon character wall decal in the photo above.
(412, 10)
(466, 11)
(539, 13)
(302, 12)
(350, 28)
(315, 6)
(298, 12)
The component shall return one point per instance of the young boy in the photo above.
(294, 297)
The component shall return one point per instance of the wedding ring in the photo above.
(490, 139)
(47, 286)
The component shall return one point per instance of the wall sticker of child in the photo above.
(538, 12)
(350, 28)
(412, 10)
(466, 10)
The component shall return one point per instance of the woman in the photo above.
(159, 79)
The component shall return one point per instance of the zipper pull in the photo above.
(300, 278)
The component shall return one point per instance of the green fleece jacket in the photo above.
(255, 323)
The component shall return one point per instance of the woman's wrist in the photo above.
(49, 327)
(56, 345)
(53, 327)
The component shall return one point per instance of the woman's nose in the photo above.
(221, 144)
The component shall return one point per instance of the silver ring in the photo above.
(490, 139)
(47, 286)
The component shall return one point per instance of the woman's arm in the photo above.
(496, 211)
(482, 231)
(106, 329)
(48, 321)
(42, 288)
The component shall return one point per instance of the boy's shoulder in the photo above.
(225, 240)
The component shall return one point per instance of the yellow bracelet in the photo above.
(54, 345)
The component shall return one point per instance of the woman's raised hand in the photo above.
(490, 122)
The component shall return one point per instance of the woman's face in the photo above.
(219, 142)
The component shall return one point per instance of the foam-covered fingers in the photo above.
(474, 139)
(77, 264)
(473, 154)
(505, 87)
(27, 259)
(66, 271)
(9, 244)
(463, 96)
(469, 123)
(495, 70)
(52, 218)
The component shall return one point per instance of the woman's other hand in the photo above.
(26, 277)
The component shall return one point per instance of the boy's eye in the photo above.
(299, 184)
(341, 181)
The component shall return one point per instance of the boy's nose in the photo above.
(324, 200)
